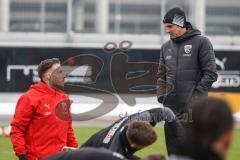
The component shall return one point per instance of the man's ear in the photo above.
(222, 145)
(133, 145)
(227, 139)
(46, 77)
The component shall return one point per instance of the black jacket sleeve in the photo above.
(207, 67)
(154, 115)
(164, 79)
(161, 81)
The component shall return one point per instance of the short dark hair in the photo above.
(141, 133)
(46, 65)
(212, 117)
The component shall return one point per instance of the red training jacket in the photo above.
(36, 130)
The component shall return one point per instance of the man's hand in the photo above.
(161, 114)
(66, 149)
(22, 157)
(168, 114)
(160, 99)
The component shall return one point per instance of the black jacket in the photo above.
(114, 137)
(194, 151)
(87, 154)
(187, 68)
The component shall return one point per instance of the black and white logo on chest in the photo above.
(187, 50)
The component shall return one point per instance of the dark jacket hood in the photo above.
(191, 31)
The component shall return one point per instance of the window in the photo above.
(222, 17)
(38, 16)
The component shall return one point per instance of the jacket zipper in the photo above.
(177, 46)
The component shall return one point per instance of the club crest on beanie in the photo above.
(175, 16)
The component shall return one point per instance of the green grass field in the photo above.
(6, 152)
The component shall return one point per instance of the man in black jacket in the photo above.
(187, 66)
(130, 134)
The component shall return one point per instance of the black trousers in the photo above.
(173, 136)
(174, 132)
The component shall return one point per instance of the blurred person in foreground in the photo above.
(187, 67)
(134, 132)
(209, 136)
(36, 130)
(89, 153)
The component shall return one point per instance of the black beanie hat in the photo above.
(175, 16)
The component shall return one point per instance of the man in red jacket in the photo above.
(37, 131)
